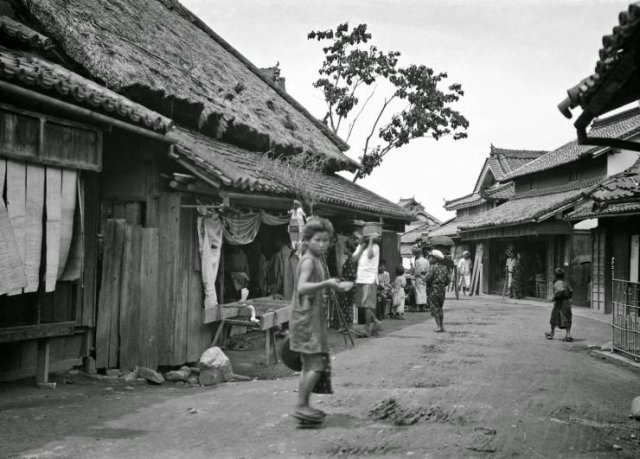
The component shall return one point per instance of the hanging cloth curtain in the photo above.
(241, 229)
(12, 275)
(274, 220)
(210, 240)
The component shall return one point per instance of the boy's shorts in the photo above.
(367, 296)
(314, 362)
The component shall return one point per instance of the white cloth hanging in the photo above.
(210, 241)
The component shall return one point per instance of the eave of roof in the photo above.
(245, 171)
(616, 54)
(23, 34)
(470, 200)
(623, 125)
(30, 71)
(616, 209)
(532, 208)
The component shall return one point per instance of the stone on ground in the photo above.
(635, 408)
(178, 375)
(150, 375)
(215, 367)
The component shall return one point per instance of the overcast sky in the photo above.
(515, 60)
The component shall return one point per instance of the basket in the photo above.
(372, 228)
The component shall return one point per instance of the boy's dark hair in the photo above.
(382, 262)
(317, 225)
(559, 273)
(399, 270)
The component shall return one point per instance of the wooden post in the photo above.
(42, 365)
(267, 349)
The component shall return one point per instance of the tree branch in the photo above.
(364, 105)
(373, 128)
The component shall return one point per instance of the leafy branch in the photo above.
(351, 64)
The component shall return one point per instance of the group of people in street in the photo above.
(363, 267)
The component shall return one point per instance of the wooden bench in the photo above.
(269, 312)
(41, 333)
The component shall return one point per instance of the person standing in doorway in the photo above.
(561, 315)
(367, 255)
(517, 281)
(464, 271)
(437, 280)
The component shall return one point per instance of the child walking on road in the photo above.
(398, 293)
(308, 322)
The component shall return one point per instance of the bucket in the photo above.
(372, 228)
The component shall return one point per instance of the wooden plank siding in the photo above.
(48, 140)
(168, 226)
(109, 303)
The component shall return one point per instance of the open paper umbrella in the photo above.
(444, 241)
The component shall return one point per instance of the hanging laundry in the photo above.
(241, 229)
(210, 242)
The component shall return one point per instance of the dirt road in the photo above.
(491, 386)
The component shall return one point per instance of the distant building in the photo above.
(423, 221)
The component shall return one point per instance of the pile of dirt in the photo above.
(391, 411)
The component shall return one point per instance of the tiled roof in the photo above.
(20, 32)
(532, 209)
(27, 70)
(470, 200)
(500, 192)
(160, 54)
(621, 126)
(244, 170)
(618, 194)
(451, 227)
(589, 210)
(617, 46)
(413, 234)
(503, 160)
(621, 187)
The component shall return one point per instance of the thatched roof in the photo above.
(35, 73)
(159, 54)
(623, 125)
(239, 169)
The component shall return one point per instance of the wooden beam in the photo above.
(33, 332)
